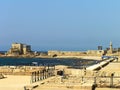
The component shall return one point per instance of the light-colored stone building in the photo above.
(19, 49)
(26, 49)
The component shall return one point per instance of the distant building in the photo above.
(99, 47)
(111, 46)
(110, 49)
(26, 49)
(19, 49)
(118, 49)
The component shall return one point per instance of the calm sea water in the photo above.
(46, 61)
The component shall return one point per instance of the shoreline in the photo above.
(58, 57)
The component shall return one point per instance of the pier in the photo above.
(101, 64)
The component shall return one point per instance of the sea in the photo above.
(71, 62)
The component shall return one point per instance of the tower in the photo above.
(111, 47)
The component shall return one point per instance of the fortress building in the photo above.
(19, 49)
(26, 49)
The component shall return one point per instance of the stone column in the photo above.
(35, 76)
(41, 75)
(111, 80)
(32, 77)
(45, 74)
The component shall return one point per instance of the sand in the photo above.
(82, 57)
(14, 82)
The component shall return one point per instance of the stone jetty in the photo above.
(100, 65)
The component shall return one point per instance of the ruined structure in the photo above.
(95, 52)
(100, 52)
(19, 49)
(65, 53)
(76, 53)
(23, 49)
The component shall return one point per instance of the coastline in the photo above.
(82, 57)
(78, 57)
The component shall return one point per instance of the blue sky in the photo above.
(60, 24)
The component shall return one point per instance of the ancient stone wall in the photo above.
(65, 53)
(95, 52)
(76, 53)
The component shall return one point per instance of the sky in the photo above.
(60, 24)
